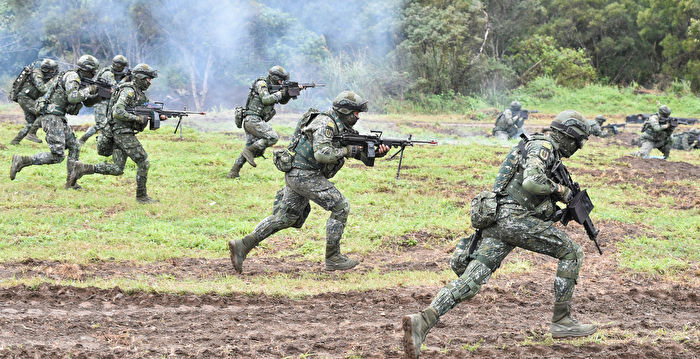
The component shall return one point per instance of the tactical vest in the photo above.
(254, 105)
(55, 100)
(140, 96)
(302, 145)
(509, 181)
(649, 134)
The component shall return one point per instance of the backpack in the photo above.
(19, 81)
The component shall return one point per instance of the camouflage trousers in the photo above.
(28, 106)
(59, 137)
(259, 136)
(292, 207)
(515, 227)
(506, 134)
(100, 120)
(125, 145)
(648, 145)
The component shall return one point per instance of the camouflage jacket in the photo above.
(126, 96)
(686, 141)
(315, 149)
(261, 102)
(507, 122)
(65, 95)
(653, 130)
(526, 175)
(35, 85)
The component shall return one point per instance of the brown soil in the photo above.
(512, 309)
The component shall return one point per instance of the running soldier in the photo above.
(34, 86)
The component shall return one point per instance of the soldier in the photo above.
(36, 84)
(259, 109)
(509, 124)
(120, 133)
(525, 194)
(64, 97)
(656, 133)
(111, 75)
(596, 129)
(316, 160)
(686, 141)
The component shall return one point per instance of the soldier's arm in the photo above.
(656, 126)
(74, 93)
(108, 77)
(535, 179)
(324, 151)
(37, 79)
(119, 111)
(265, 95)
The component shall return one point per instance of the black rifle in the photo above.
(294, 88)
(580, 206)
(675, 121)
(370, 144)
(614, 127)
(155, 109)
(524, 114)
(104, 90)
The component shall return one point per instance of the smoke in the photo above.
(207, 52)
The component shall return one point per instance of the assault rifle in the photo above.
(580, 206)
(104, 90)
(524, 114)
(294, 88)
(675, 121)
(155, 109)
(614, 127)
(370, 144)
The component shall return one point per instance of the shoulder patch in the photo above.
(544, 153)
(329, 132)
(547, 145)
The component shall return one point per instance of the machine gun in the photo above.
(294, 88)
(675, 121)
(154, 110)
(613, 127)
(523, 116)
(370, 143)
(580, 206)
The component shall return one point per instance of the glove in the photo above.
(93, 89)
(352, 150)
(564, 193)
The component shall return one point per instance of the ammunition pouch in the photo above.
(483, 211)
(463, 253)
(238, 114)
(283, 160)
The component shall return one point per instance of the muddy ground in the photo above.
(639, 316)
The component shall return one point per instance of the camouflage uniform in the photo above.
(260, 108)
(111, 75)
(65, 97)
(596, 129)
(526, 196)
(120, 135)
(656, 133)
(686, 141)
(509, 124)
(36, 84)
(317, 158)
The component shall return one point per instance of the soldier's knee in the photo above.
(274, 137)
(57, 157)
(464, 288)
(341, 210)
(570, 263)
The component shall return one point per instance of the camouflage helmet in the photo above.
(600, 119)
(572, 124)
(142, 71)
(515, 106)
(664, 111)
(348, 102)
(48, 65)
(278, 73)
(88, 63)
(120, 60)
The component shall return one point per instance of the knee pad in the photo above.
(273, 139)
(340, 211)
(463, 288)
(570, 263)
(143, 167)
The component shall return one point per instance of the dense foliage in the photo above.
(209, 52)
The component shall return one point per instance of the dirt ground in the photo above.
(638, 316)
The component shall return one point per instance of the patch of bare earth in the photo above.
(511, 310)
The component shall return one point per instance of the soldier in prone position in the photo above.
(118, 138)
(36, 84)
(259, 110)
(687, 140)
(656, 133)
(64, 97)
(525, 194)
(316, 159)
(110, 75)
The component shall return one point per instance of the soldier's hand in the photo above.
(93, 89)
(383, 149)
(564, 193)
(163, 117)
(145, 119)
(352, 150)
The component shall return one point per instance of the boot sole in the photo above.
(330, 268)
(407, 341)
(572, 334)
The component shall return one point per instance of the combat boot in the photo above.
(415, 328)
(15, 141)
(31, 136)
(563, 325)
(79, 169)
(249, 156)
(234, 172)
(19, 162)
(239, 249)
(141, 193)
